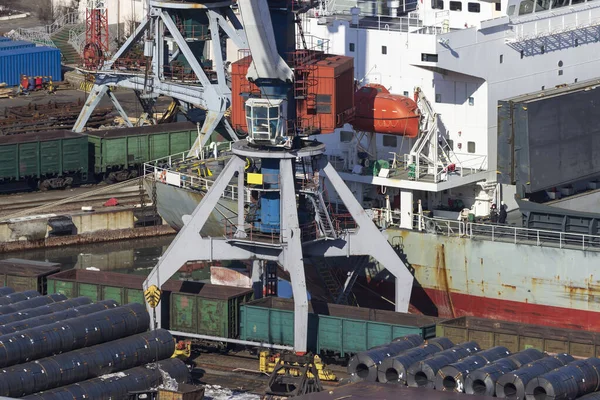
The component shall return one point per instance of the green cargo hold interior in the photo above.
(331, 327)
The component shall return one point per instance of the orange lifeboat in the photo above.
(377, 110)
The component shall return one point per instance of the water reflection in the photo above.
(137, 256)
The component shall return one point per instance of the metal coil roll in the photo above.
(40, 320)
(44, 310)
(566, 383)
(117, 386)
(483, 381)
(32, 303)
(526, 356)
(393, 369)
(91, 362)
(5, 290)
(76, 333)
(512, 385)
(442, 342)
(423, 373)
(451, 378)
(590, 396)
(364, 364)
(17, 297)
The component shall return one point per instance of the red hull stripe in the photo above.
(459, 305)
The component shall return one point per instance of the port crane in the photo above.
(292, 220)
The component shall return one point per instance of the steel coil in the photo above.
(44, 310)
(17, 297)
(5, 290)
(117, 386)
(415, 339)
(393, 369)
(32, 303)
(91, 362)
(364, 364)
(526, 356)
(451, 378)
(75, 333)
(442, 342)
(74, 312)
(423, 373)
(512, 385)
(590, 396)
(483, 381)
(567, 382)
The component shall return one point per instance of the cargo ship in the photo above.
(503, 95)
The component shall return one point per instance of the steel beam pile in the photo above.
(46, 117)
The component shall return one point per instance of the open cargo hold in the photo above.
(190, 307)
(24, 275)
(516, 336)
(32, 61)
(117, 149)
(34, 155)
(331, 327)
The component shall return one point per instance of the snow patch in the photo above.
(216, 392)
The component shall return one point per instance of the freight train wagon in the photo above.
(118, 154)
(43, 160)
(230, 313)
(59, 159)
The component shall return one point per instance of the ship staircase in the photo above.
(431, 153)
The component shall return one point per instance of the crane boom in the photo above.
(267, 64)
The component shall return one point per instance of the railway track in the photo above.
(125, 192)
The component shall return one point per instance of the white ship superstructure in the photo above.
(464, 56)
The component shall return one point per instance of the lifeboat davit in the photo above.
(379, 111)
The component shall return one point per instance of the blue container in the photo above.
(14, 45)
(4, 39)
(31, 61)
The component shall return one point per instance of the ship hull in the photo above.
(174, 202)
(525, 283)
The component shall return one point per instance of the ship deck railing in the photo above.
(174, 169)
(508, 233)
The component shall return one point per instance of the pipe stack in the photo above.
(513, 384)
(44, 310)
(117, 386)
(32, 303)
(423, 373)
(451, 378)
(91, 362)
(483, 381)
(17, 297)
(74, 312)
(76, 333)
